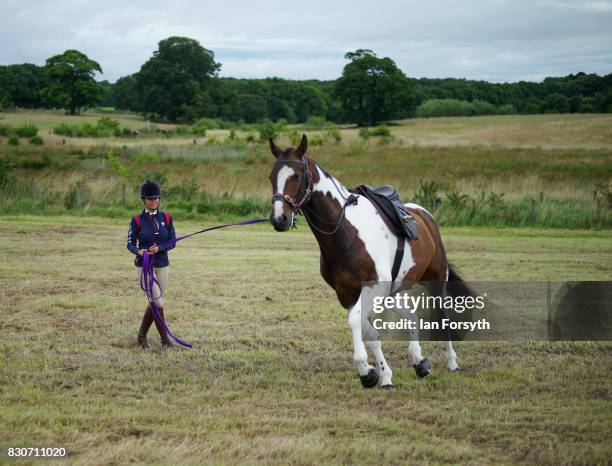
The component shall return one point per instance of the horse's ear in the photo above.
(301, 150)
(276, 151)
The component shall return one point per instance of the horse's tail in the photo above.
(455, 285)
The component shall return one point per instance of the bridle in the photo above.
(303, 195)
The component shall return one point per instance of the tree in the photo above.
(174, 82)
(125, 94)
(25, 82)
(71, 81)
(253, 108)
(556, 103)
(373, 89)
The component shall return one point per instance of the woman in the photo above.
(147, 230)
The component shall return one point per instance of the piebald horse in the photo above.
(357, 246)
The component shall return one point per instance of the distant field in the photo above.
(527, 170)
(271, 377)
(566, 131)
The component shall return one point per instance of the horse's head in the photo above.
(291, 183)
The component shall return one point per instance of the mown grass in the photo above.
(271, 378)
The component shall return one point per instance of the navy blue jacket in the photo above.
(153, 230)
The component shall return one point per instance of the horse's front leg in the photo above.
(421, 365)
(385, 371)
(367, 373)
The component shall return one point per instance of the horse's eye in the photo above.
(295, 177)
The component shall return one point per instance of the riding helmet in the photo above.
(150, 189)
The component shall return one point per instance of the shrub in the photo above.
(507, 109)
(316, 140)
(13, 140)
(104, 127)
(316, 122)
(384, 140)
(26, 131)
(267, 130)
(208, 123)
(36, 140)
(364, 133)
(480, 107)
(335, 134)
(294, 137)
(6, 130)
(457, 200)
(454, 107)
(107, 123)
(444, 107)
(280, 125)
(64, 129)
(180, 130)
(427, 195)
(495, 200)
(380, 130)
(76, 196)
(86, 130)
(199, 129)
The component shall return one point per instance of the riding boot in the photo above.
(147, 320)
(165, 341)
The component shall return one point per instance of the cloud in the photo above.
(497, 40)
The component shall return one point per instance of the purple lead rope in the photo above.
(148, 279)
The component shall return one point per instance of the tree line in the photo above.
(180, 83)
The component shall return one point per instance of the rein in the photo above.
(351, 200)
(148, 279)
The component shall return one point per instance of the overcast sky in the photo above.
(493, 40)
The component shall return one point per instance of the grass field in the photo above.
(271, 377)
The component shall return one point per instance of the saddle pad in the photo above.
(392, 211)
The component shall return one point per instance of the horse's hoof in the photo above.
(370, 380)
(456, 369)
(423, 368)
(388, 386)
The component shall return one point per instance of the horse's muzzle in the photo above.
(281, 223)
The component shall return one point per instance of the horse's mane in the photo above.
(327, 175)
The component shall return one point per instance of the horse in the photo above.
(357, 246)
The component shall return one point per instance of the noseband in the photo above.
(305, 191)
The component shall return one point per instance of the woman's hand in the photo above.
(141, 252)
(153, 249)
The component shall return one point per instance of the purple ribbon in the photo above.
(148, 279)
